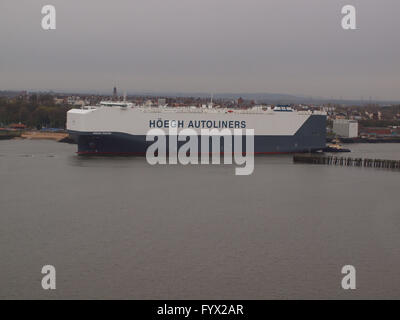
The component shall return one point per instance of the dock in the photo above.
(346, 161)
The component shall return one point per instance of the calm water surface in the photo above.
(120, 228)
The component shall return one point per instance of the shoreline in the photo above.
(39, 135)
(36, 135)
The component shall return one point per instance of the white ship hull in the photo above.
(123, 130)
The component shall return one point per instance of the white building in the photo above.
(345, 128)
(162, 102)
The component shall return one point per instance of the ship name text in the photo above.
(199, 124)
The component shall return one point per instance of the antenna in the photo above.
(210, 105)
(114, 96)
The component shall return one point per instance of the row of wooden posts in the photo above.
(347, 161)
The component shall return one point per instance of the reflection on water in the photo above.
(120, 228)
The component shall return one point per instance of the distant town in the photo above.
(46, 111)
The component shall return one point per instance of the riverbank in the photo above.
(39, 135)
(35, 135)
(7, 135)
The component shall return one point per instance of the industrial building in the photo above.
(345, 128)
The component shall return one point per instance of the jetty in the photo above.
(346, 161)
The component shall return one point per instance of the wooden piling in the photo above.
(348, 162)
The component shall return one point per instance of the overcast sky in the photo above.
(275, 46)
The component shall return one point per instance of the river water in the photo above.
(121, 228)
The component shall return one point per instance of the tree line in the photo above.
(36, 111)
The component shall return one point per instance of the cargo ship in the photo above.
(120, 128)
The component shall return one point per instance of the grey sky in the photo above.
(277, 46)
